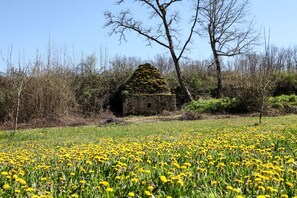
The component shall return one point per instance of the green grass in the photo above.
(205, 158)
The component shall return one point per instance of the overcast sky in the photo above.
(77, 26)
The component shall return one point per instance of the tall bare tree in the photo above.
(230, 33)
(166, 33)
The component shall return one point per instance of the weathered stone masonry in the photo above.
(146, 93)
(148, 104)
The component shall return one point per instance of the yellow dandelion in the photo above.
(131, 194)
(74, 195)
(261, 188)
(82, 181)
(104, 183)
(148, 193)
(134, 180)
(290, 184)
(6, 186)
(109, 190)
(163, 179)
(30, 190)
(214, 182)
(271, 189)
(20, 180)
(4, 173)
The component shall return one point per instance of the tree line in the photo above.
(52, 87)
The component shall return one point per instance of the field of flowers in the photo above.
(176, 159)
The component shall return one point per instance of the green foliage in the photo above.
(286, 84)
(146, 80)
(283, 101)
(91, 93)
(212, 105)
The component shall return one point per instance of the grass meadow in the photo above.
(205, 158)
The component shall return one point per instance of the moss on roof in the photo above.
(145, 80)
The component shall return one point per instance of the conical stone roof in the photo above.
(146, 80)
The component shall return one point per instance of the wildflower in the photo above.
(72, 174)
(238, 181)
(221, 165)
(290, 161)
(261, 188)
(6, 186)
(30, 190)
(214, 182)
(35, 196)
(104, 183)
(148, 193)
(109, 190)
(180, 182)
(131, 194)
(22, 181)
(290, 184)
(239, 196)
(150, 188)
(17, 191)
(82, 182)
(4, 173)
(163, 179)
(284, 196)
(229, 188)
(237, 190)
(271, 189)
(74, 195)
(134, 180)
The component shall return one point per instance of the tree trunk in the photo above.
(188, 96)
(15, 126)
(219, 76)
(261, 106)
(218, 69)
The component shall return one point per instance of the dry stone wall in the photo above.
(148, 104)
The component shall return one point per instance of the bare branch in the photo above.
(166, 33)
(191, 31)
(122, 23)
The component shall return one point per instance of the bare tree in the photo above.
(166, 33)
(19, 78)
(224, 22)
(266, 77)
(163, 63)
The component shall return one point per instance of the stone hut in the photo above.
(146, 93)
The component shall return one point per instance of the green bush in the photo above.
(286, 84)
(283, 101)
(225, 105)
